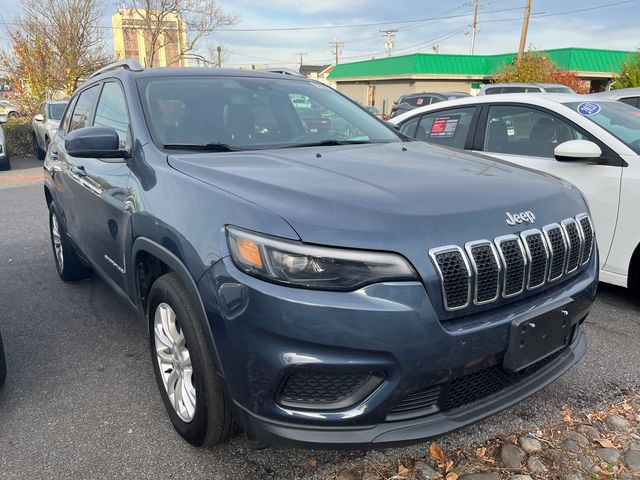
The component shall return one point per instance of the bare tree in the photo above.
(181, 22)
(70, 31)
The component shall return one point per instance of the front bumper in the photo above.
(266, 334)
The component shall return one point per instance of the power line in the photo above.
(357, 25)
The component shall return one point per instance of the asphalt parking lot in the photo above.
(81, 402)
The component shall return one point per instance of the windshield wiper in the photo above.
(326, 143)
(203, 147)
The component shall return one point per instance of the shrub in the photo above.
(18, 140)
(539, 68)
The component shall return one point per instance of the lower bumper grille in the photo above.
(327, 390)
(464, 390)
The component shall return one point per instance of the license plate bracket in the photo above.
(533, 339)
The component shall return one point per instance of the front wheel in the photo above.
(185, 369)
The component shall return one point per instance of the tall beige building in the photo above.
(131, 39)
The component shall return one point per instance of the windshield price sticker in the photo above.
(444, 127)
(587, 109)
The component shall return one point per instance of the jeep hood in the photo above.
(385, 196)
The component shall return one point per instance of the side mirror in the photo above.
(39, 118)
(577, 150)
(94, 142)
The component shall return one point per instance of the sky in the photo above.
(422, 26)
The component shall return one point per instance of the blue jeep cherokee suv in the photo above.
(337, 287)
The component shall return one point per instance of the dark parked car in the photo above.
(3, 364)
(408, 102)
(314, 288)
(313, 120)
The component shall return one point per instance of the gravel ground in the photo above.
(81, 402)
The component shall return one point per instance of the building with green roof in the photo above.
(381, 81)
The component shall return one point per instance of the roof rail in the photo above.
(284, 71)
(133, 65)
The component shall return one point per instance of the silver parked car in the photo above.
(630, 96)
(9, 109)
(45, 124)
(495, 88)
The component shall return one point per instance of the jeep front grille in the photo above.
(586, 229)
(455, 276)
(515, 264)
(511, 264)
(557, 250)
(537, 256)
(486, 269)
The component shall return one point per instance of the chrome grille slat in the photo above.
(586, 230)
(487, 270)
(537, 252)
(514, 262)
(455, 276)
(557, 250)
(574, 242)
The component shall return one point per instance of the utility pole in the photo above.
(476, 5)
(525, 28)
(219, 51)
(389, 42)
(302, 54)
(336, 49)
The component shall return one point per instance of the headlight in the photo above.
(309, 266)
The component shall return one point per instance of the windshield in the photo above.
(617, 118)
(253, 113)
(56, 110)
(558, 90)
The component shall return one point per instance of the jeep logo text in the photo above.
(522, 217)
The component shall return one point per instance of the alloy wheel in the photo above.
(174, 362)
(57, 241)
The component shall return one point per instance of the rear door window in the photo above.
(68, 114)
(446, 127)
(83, 111)
(409, 127)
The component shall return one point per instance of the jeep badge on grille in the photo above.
(522, 217)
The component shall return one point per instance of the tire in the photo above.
(68, 263)
(183, 362)
(5, 164)
(3, 364)
(41, 153)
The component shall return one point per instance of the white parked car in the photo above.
(592, 143)
(45, 124)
